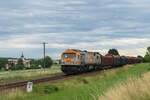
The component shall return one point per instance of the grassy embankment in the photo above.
(133, 89)
(28, 74)
(82, 88)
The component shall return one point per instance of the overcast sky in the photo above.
(82, 24)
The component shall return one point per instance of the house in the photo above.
(56, 61)
(14, 61)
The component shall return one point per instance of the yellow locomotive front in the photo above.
(70, 61)
(69, 58)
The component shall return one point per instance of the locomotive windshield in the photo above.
(65, 55)
(69, 55)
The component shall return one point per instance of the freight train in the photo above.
(75, 61)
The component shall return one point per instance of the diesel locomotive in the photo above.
(75, 61)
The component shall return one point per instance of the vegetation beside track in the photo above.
(28, 70)
(82, 88)
(133, 89)
(28, 74)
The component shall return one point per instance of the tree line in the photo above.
(35, 63)
(40, 62)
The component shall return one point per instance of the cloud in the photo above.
(124, 45)
(91, 24)
(133, 52)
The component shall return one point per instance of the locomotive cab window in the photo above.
(65, 55)
(69, 55)
(72, 55)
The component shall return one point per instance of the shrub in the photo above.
(3, 62)
(82, 80)
(45, 89)
(33, 66)
(17, 67)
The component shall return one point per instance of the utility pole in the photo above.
(44, 44)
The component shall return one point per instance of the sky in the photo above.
(96, 25)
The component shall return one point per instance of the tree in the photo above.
(139, 56)
(113, 51)
(19, 66)
(48, 62)
(20, 62)
(35, 63)
(3, 62)
(59, 61)
(148, 51)
(147, 56)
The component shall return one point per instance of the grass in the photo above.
(134, 89)
(45, 89)
(86, 88)
(27, 76)
(28, 70)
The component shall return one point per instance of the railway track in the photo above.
(36, 81)
(52, 79)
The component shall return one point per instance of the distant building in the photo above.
(14, 62)
(7, 66)
(56, 61)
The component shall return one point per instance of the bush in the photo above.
(33, 66)
(17, 67)
(82, 80)
(45, 89)
(146, 58)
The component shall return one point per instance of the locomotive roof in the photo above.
(82, 51)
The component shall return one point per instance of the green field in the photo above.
(9, 76)
(82, 88)
(28, 70)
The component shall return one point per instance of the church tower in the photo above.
(22, 56)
